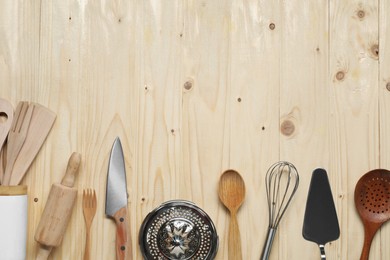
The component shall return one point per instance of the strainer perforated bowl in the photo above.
(178, 229)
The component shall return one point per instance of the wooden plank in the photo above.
(304, 111)
(384, 106)
(354, 122)
(253, 120)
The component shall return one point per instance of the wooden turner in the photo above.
(41, 123)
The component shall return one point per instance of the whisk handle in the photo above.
(268, 244)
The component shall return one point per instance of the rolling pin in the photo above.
(58, 209)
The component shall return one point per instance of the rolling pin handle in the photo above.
(43, 252)
(71, 170)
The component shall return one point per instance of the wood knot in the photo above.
(287, 128)
(375, 50)
(361, 14)
(35, 199)
(272, 26)
(388, 86)
(340, 75)
(188, 85)
(239, 99)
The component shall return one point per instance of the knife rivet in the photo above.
(121, 219)
(123, 248)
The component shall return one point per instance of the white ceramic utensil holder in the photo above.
(13, 222)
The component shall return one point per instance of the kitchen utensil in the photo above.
(40, 125)
(58, 210)
(16, 136)
(116, 201)
(89, 211)
(232, 194)
(320, 223)
(6, 117)
(281, 182)
(372, 201)
(178, 229)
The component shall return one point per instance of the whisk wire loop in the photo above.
(280, 192)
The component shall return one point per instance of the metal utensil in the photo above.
(89, 211)
(116, 201)
(320, 224)
(178, 229)
(281, 181)
(372, 201)
(232, 194)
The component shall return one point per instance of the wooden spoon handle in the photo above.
(234, 241)
(369, 233)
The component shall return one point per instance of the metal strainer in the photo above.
(178, 229)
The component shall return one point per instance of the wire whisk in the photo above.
(281, 182)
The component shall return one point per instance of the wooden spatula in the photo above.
(41, 123)
(6, 118)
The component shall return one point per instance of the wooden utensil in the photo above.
(58, 209)
(40, 125)
(16, 136)
(6, 117)
(232, 194)
(372, 201)
(89, 211)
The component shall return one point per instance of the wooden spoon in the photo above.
(6, 117)
(232, 194)
(372, 201)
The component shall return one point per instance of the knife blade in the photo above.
(116, 201)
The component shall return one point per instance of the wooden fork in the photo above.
(89, 210)
(16, 136)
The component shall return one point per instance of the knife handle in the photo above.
(123, 239)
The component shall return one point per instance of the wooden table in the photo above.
(194, 87)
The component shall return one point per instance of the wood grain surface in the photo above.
(196, 87)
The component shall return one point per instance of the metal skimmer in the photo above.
(178, 229)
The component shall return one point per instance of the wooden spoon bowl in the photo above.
(372, 201)
(232, 194)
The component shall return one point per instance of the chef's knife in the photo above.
(116, 201)
(320, 224)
